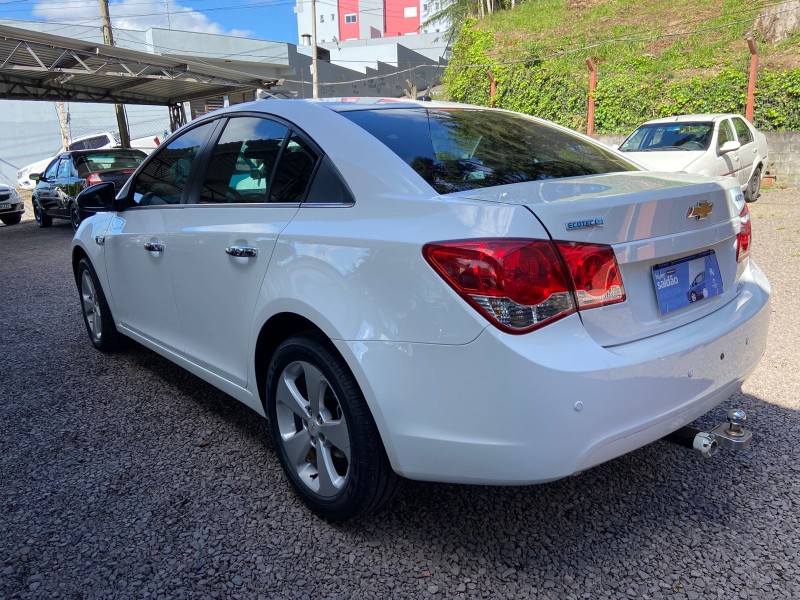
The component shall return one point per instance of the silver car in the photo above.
(712, 144)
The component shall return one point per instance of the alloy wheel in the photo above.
(313, 429)
(91, 306)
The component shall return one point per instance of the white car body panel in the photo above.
(454, 398)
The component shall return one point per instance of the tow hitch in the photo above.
(731, 435)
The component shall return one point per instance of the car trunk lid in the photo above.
(655, 223)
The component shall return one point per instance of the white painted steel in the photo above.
(454, 398)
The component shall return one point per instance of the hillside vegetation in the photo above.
(654, 58)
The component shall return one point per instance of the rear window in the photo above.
(456, 150)
(106, 161)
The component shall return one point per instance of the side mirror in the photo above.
(98, 198)
(729, 146)
(35, 177)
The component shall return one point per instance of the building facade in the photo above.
(346, 20)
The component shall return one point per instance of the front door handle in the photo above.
(242, 251)
(154, 247)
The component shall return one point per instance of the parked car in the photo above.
(11, 205)
(714, 144)
(427, 290)
(70, 172)
(93, 141)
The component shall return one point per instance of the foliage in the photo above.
(630, 91)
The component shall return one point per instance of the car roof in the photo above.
(691, 118)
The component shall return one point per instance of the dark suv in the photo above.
(71, 172)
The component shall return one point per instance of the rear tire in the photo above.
(96, 314)
(11, 219)
(74, 216)
(42, 220)
(323, 432)
(753, 190)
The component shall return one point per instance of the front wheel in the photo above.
(323, 432)
(96, 314)
(42, 220)
(753, 186)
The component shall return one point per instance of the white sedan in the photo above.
(434, 291)
(714, 144)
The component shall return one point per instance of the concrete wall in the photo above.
(784, 154)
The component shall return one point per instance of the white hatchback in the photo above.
(713, 144)
(436, 291)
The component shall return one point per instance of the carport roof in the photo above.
(42, 66)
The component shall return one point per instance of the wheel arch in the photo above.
(273, 332)
(78, 253)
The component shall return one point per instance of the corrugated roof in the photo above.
(42, 66)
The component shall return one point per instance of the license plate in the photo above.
(5, 206)
(683, 282)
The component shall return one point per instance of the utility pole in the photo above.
(63, 122)
(108, 37)
(314, 76)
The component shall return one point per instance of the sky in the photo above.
(262, 19)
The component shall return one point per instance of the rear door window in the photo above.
(241, 168)
(294, 171)
(742, 131)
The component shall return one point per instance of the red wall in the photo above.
(396, 22)
(348, 31)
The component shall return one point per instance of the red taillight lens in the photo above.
(745, 233)
(93, 179)
(519, 285)
(595, 273)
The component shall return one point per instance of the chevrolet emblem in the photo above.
(701, 211)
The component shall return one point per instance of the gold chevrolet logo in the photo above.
(701, 211)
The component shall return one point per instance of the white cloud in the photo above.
(134, 14)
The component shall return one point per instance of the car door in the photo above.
(748, 152)
(138, 242)
(44, 188)
(256, 178)
(727, 163)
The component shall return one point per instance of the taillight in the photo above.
(595, 273)
(745, 232)
(521, 285)
(93, 179)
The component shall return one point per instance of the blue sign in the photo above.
(683, 282)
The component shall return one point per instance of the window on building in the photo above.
(351, 18)
(333, 17)
(322, 18)
(424, 8)
(409, 12)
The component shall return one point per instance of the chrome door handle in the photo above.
(154, 247)
(242, 251)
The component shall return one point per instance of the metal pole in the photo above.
(751, 82)
(592, 86)
(108, 38)
(314, 76)
(492, 88)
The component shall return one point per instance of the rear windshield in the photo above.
(669, 137)
(108, 160)
(456, 150)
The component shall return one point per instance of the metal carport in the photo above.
(42, 66)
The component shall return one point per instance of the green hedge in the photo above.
(553, 90)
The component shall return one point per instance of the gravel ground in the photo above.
(124, 476)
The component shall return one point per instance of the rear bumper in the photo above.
(527, 409)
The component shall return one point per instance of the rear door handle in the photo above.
(154, 247)
(242, 251)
